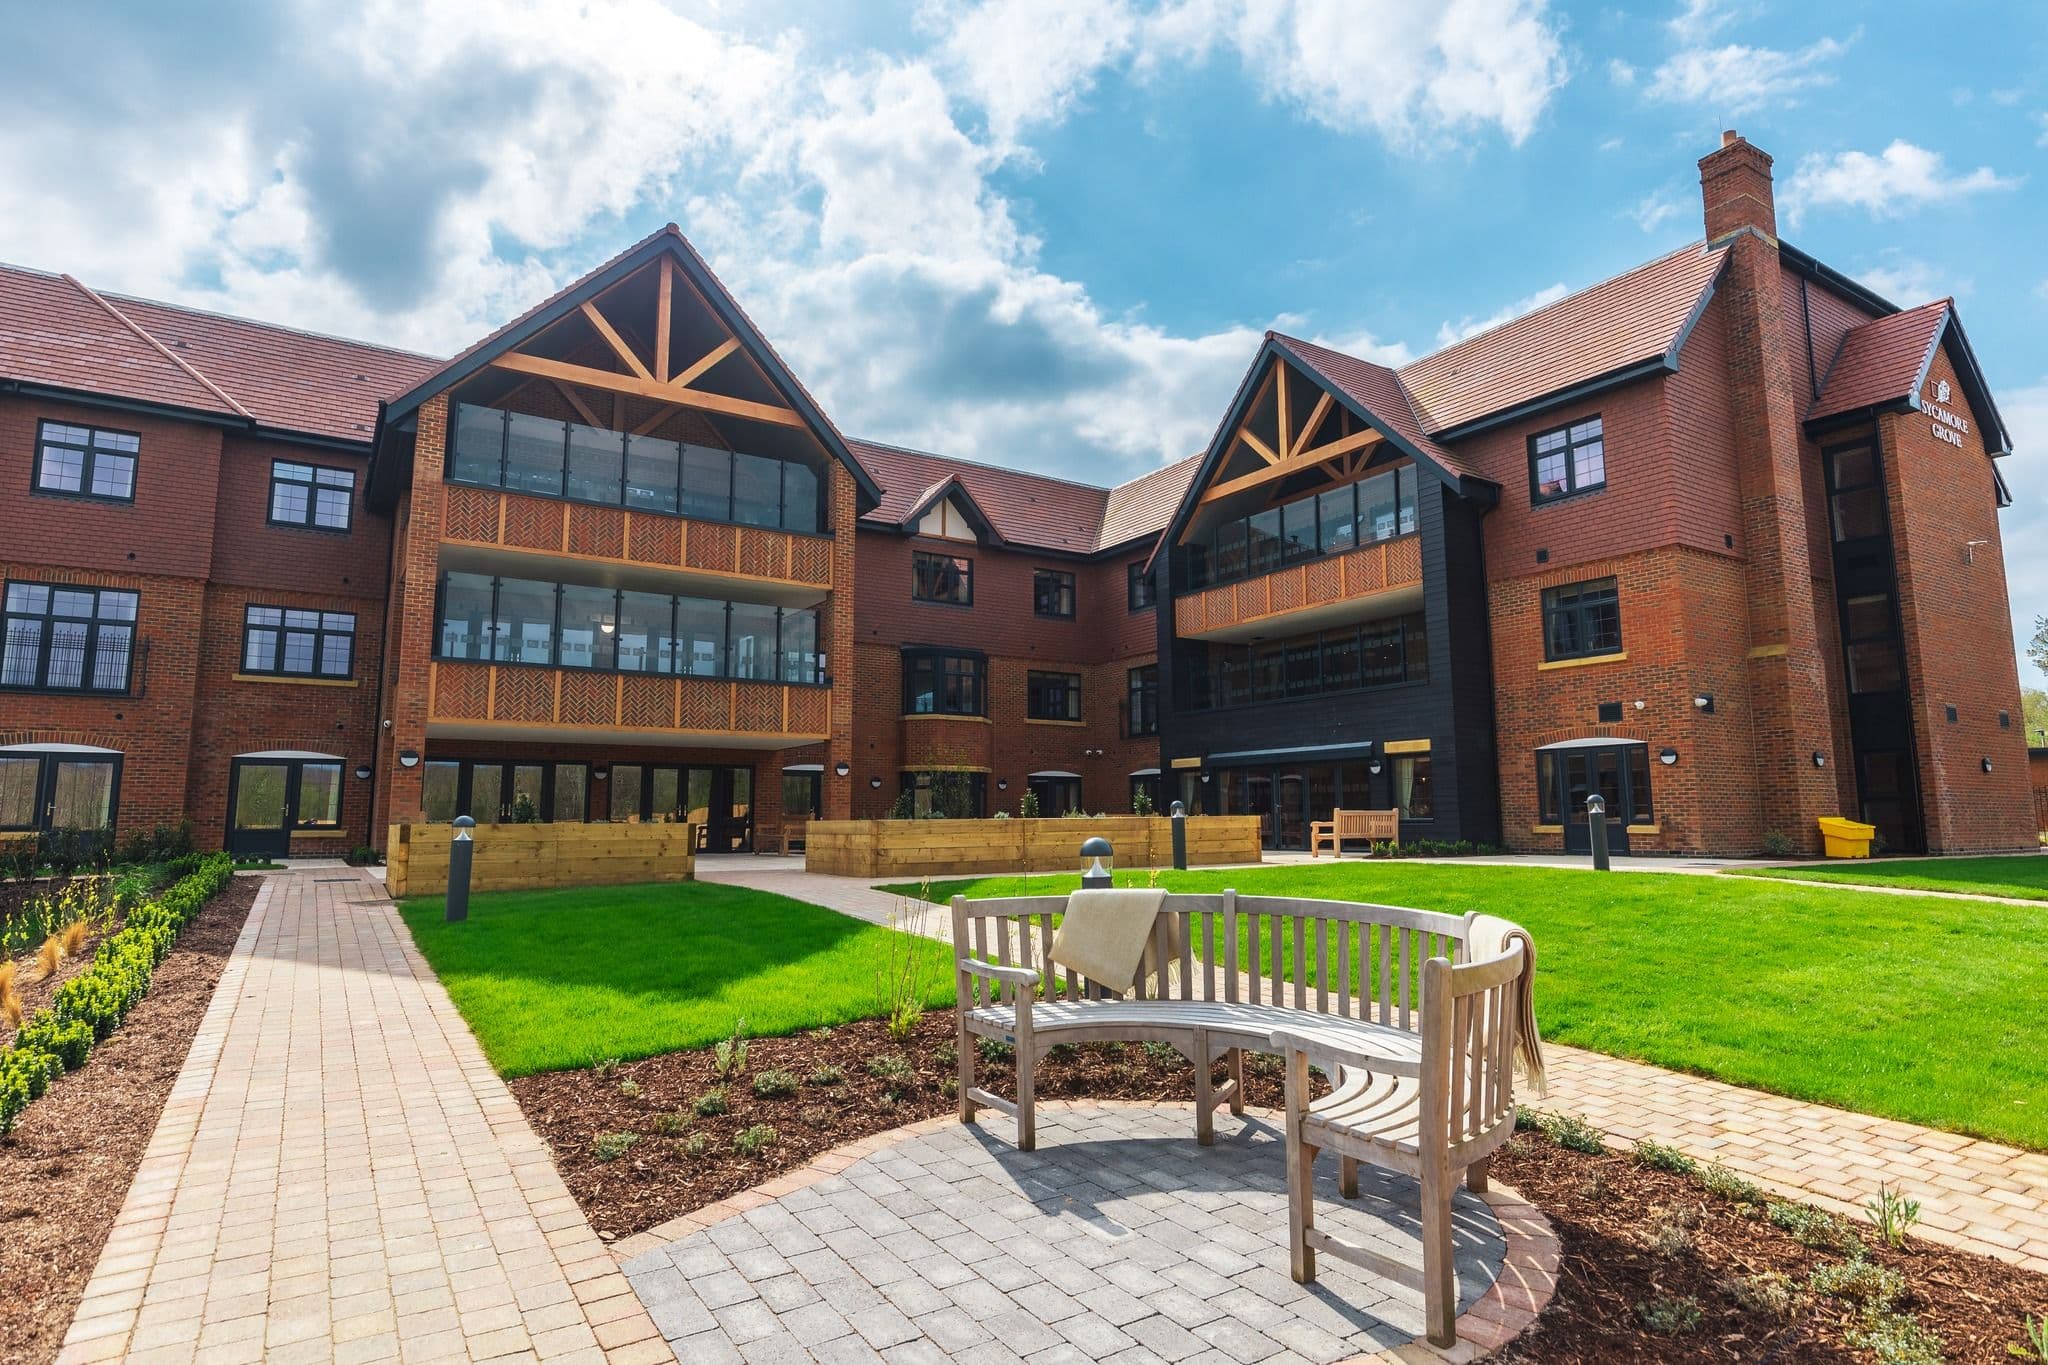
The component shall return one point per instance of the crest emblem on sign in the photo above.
(1941, 390)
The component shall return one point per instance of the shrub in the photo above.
(362, 855)
(889, 1067)
(1778, 844)
(1896, 1339)
(671, 1122)
(775, 1083)
(1658, 1157)
(524, 812)
(630, 1088)
(1027, 806)
(709, 1105)
(1893, 1215)
(1670, 1316)
(993, 1049)
(612, 1146)
(1859, 1281)
(1810, 1225)
(1770, 1293)
(698, 1144)
(1569, 1131)
(1725, 1184)
(831, 1073)
(1164, 1055)
(729, 1058)
(750, 1140)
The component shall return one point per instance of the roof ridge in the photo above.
(216, 390)
(984, 464)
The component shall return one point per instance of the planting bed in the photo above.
(66, 1167)
(1607, 1210)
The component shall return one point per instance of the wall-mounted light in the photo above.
(875, 782)
(409, 758)
(1374, 767)
(362, 772)
(1667, 755)
(1205, 777)
(841, 768)
(600, 772)
(1987, 765)
(1704, 701)
(1820, 760)
(1002, 784)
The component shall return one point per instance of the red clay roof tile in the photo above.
(1881, 361)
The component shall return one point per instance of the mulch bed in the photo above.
(66, 1167)
(1606, 1209)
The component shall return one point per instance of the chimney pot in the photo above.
(1735, 185)
(1729, 137)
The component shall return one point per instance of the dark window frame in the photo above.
(88, 462)
(1572, 487)
(89, 650)
(1141, 593)
(312, 486)
(1205, 559)
(1205, 677)
(320, 632)
(944, 665)
(919, 584)
(1056, 584)
(1577, 602)
(1046, 691)
(1141, 701)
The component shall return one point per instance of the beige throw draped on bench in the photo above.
(1489, 937)
(1103, 934)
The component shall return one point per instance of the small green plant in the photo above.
(946, 1055)
(630, 1088)
(1658, 1157)
(1569, 1131)
(697, 1144)
(1858, 1281)
(818, 1035)
(362, 855)
(1778, 844)
(709, 1105)
(750, 1140)
(906, 964)
(1596, 1186)
(1063, 1052)
(671, 1122)
(950, 1087)
(890, 1066)
(612, 1146)
(605, 1067)
(817, 1115)
(1027, 806)
(1163, 1055)
(831, 1073)
(524, 812)
(1726, 1184)
(1670, 1317)
(1895, 1338)
(775, 1083)
(729, 1058)
(1769, 1293)
(2034, 1345)
(1893, 1214)
(1671, 1233)
(1811, 1226)
(994, 1049)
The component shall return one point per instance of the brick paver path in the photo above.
(1982, 1196)
(338, 1174)
(1119, 1239)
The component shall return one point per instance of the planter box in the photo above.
(945, 848)
(525, 857)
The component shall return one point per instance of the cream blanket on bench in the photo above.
(1103, 934)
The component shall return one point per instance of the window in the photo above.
(1057, 793)
(1052, 696)
(572, 625)
(943, 682)
(86, 462)
(1139, 591)
(1571, 459)
(953, 795)
(1379, 653)
(1143, 703)
(298, 644)
(1052, 593)
(1581, 620)
(1380, 507)
(1414, 791)
(1872, 646)
(942, 578)
(1856, 499)
(310, 495)
(66, 638)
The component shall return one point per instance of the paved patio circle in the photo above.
(1118, 1239)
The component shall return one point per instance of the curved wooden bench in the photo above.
(1387, 1001)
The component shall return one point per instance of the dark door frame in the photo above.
(721, 832)
(267, 843)
(1578, 834)
(465, 785)
(45, 800)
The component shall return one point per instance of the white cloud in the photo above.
(1908, 280)
(1733, 79)
(1897, 180)
(1620, 72)
(1468, 326)
(1657, 208)
(1028, 61)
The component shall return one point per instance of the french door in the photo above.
(718, 799)
(1620, 773)
(270, 799)
(501, 791)
(58, 789)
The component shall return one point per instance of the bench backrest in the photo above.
(1378, 825)
(1472, 1014)
(1327, 957)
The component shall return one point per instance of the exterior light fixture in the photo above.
(1704, 701)
(875, 782)
(409, 758)
(1374, 767)
(1667, 755)
(841, 768)
(1820, 760)
(1097, 858)
(362, 772)
(1987, 765)
(1002, 784)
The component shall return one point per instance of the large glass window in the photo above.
(756, 490)
(86, 462)
(1375, 654)
(943, 682)
(753, 640)
(535, 448)
(953, 795)
(1856, 497)
(1871, 644)
(1052, 696)
(1567, 460)
(465, 616)
(523, 622)
(590, 627)
(801, 659)
(1139, 590)
(1052, 593)
(707, 483)
(297, 643)
(1326, 523)
(1414, 789)
(479, 455)
(646, 633)
(700, 629)
(67, 638)
(1581, 620)
(800, 509)
(311, 495)
(1142, 706)
(596, 464)
(1262, 553)
(653, 474)
(1337, 519)
(942, 578)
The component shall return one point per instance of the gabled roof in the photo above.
(58, 335)
(1636, 321)
(951, 489)
(667, 240)
(1140, 509)
(1377, 397)
(1884, 364)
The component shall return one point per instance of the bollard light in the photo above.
(1097, 858)
(1596, 829)
(1180, 836)
(461, 856)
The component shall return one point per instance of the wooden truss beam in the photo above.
(1343, 445)
(1259, 448)
(1308, 428)
(1299, 464)
(662, 299)
(616, 342)
(710, 358)
(641, 386)
(575, 400)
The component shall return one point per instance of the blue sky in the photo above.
(1044, 233)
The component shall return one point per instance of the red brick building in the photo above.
(1716, 539)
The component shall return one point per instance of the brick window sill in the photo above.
(945, 715)
(1619, 656)
(1047, 720)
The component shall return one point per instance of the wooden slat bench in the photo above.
(1373, 826)
(1369, 993)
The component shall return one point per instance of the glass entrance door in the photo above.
(718, 800)
(1620, 773)
(270, 799)
(1290, 793)
(489, 791)
(58, 790)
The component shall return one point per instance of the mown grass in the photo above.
(555, 979)
(2024, 876)
(1912, 1007)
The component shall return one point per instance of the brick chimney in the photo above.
(1735, 183)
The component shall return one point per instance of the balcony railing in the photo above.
(518, 697)
(1372, 569)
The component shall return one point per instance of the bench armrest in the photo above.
(1011, 976)
(1329, 1054)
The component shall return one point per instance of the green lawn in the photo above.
(554, 979)
(2022, 875)
(1914, 1007)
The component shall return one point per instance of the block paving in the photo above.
(338, 1174)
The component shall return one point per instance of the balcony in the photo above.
(1371, 581)
(525, 702)
(505, 532)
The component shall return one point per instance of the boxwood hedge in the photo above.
(92, 1004)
